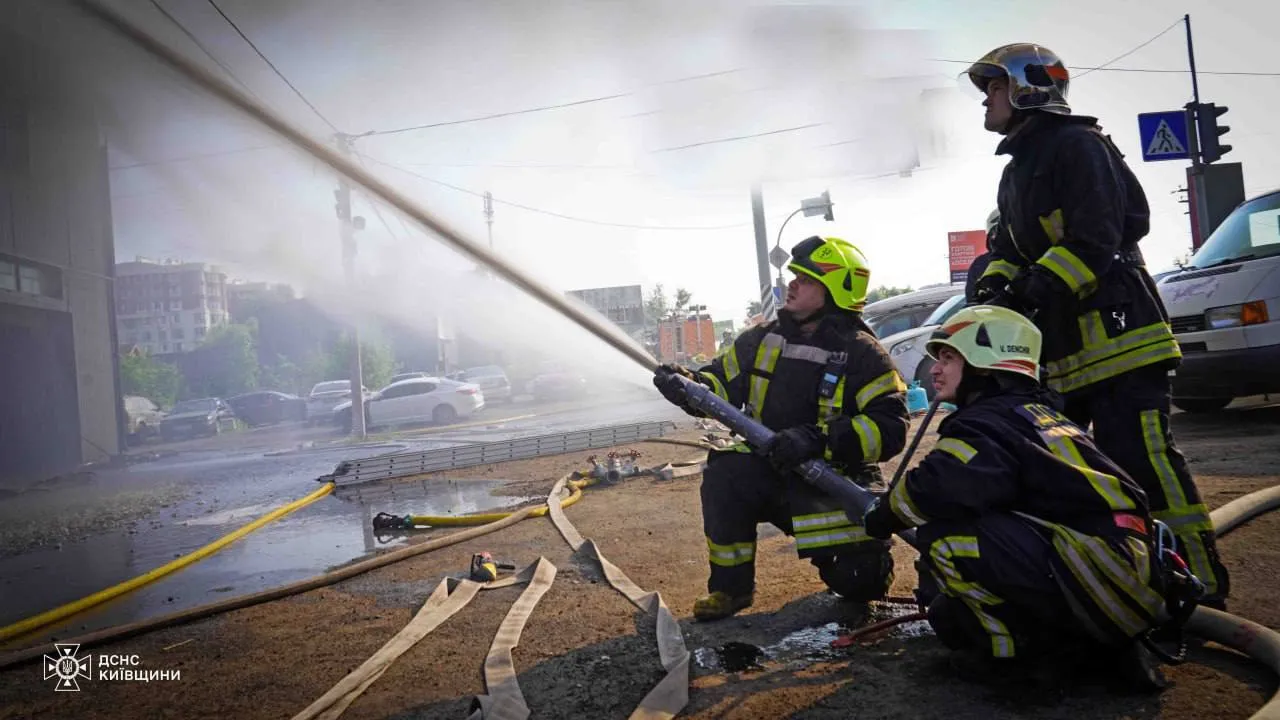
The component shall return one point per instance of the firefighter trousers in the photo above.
(996, 585)
(1130, 417)
(740, 490)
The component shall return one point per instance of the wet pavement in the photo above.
(228, 487)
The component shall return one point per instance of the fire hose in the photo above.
(852, 498)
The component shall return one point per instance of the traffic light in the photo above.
(1208, 131)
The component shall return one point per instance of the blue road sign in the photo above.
(1164, 135)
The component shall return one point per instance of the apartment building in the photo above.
(167, 307)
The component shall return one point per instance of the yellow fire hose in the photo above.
(575, 487)
(22, 627)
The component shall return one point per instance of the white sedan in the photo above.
(907, 348)
(417, 400)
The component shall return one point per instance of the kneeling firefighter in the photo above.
(820, 379)
(1033, 543)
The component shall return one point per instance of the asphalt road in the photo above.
(226, 481)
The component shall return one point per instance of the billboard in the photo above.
(964, 246)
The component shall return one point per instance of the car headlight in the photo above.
(900, 348)
(1229, 316)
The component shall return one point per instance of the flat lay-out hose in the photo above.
(121, 632)
(1257, 641)
(492, 523)
(48, 617)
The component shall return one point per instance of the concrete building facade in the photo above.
(58, 369)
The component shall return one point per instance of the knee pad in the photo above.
(955, 625)
(862, 575)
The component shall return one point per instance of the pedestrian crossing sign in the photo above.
(1164, 135)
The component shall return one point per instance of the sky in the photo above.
(674, 110)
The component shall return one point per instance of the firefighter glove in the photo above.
(992, 290)
(1035, 288)
(793, 446)
(667, 379)
(879, 521)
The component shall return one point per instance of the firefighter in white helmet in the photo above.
(1032, 541)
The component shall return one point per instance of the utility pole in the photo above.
(488, 215)
(697, 319)
(1213, 189)
(348, 234)
(762, 252)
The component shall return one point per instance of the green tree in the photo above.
(144, 375)
(226, 363)
(754, 308)
(284, 375)
(682, 301)
(885, 291)
(377, 363)
(655, 306)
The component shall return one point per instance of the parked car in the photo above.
(205, 417)
(908, 310)
(417, 400)
(907, 348)
(554, 382)
(1224, 307)
(267, 407)
(408, 376)
(144, 418)
(324, 397)
(493, 381)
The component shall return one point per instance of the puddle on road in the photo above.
(328, 533)
(806, 645)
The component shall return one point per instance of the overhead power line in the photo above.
(551, 213)
(1118, 58)
(274, 69)
(546, 108)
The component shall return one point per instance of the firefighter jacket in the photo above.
(840, 379)
(1072, 212)
(1014, 452)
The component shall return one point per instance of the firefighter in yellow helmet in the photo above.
(819, 378)
(1066, 253)
(1032, 541)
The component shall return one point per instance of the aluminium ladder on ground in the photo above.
(399, 465)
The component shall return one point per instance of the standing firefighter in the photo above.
(1031, 540)
(1067, 255)
(818, 377)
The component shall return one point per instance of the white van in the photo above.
(1225, 310)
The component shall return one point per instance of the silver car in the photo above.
(492, 380)
(324, 397)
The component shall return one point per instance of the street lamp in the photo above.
(820, 205)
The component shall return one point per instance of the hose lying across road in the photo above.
(121, 632)
(22, 627)
(1248, 637)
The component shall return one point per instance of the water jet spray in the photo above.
(356, 174)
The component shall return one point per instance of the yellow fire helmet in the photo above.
(991, 338)
(838, 265)
(1037, 76)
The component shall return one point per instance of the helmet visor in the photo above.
(800, 257)
(974, 80)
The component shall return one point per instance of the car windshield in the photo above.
(193, 406)
(332, 386)
(944, 311)
(1250, 231)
